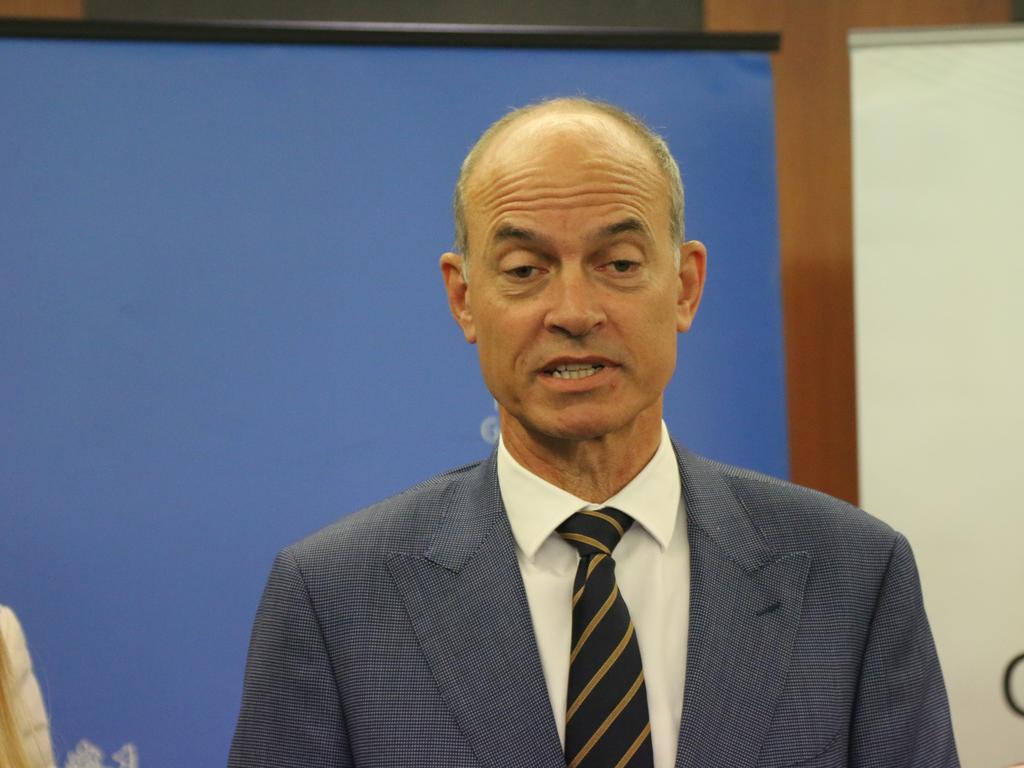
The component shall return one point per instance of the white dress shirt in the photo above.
(652, 568)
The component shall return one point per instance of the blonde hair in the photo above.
(12, 751)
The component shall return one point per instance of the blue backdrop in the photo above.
(223, 327)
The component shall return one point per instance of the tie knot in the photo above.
(595, 531)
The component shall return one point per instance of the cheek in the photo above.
(507, 336)
(658, 346)
(496, 351)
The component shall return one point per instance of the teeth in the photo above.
(576, 371)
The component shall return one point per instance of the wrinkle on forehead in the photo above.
(563, 160)
(537, 185)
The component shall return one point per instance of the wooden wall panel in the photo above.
(812, 101)
(52, 9)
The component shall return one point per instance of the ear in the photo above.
(693, 264)
(458, 294)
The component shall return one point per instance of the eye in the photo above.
(624, 266)
(521, 273)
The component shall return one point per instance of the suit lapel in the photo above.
(745, 604)
(467, 604)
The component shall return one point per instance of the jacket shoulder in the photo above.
(792, 516)
(404, 522)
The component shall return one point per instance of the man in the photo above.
(591, 594)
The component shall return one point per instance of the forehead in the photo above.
(559, 159)
(558, 129)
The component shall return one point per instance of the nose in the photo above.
(575, 308)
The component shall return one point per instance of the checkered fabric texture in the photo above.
(401, 636)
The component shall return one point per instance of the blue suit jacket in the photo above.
(401, 636)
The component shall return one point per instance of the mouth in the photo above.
(574, 370)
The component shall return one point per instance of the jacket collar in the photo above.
(467, 604)
(745, 606)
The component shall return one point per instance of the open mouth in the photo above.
(575, 371)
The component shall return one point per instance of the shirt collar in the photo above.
(536, 508)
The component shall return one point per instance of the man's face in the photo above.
(574, 298)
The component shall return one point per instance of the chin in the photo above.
(581, 426)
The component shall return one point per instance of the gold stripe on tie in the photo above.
(636, 745)
(590, 569)
(594, 622)
(578, 595)
(601, 672)
(612, 717)
(587, 540)
(606, 705)
(607, 518)
(593, 563)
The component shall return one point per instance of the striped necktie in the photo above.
(606, 723)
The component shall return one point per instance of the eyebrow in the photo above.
(510, 232)
(630, 224)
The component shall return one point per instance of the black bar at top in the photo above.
(377, 33)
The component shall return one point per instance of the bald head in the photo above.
(591, 120)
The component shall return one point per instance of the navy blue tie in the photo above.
(606, 723)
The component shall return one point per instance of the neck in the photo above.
(592, 469)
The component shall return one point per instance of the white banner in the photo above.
(938, 168)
